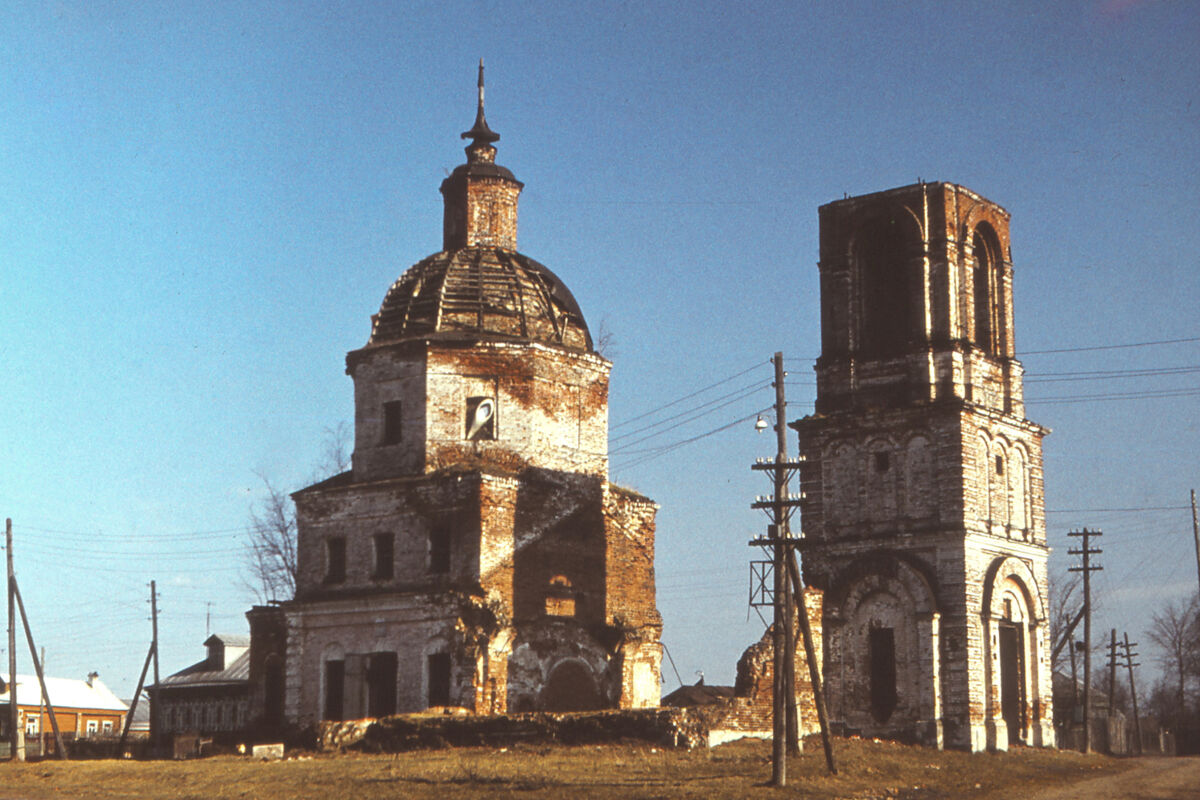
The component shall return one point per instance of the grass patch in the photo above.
(868, 770)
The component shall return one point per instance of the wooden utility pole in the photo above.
(1087, 568)
(155, 717)
(1112, 670)
(16, 752)
(788, 594)
(1196, 533)
(137, 695)
(37, 666)
(814, 670)
(779, 506)
(783, 612)
(1137, 723)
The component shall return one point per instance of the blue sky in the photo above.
(202, 204)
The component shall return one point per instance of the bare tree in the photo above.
(335, 452)
(271, 546)
(271, 534)
(1176, 631)
(1065, 602)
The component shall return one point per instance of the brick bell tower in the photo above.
(923, 479)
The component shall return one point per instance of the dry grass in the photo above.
(867, 770)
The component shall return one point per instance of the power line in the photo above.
(625, 448)
(742, 391)
(1115, 510)
(679, 400)
(1107, 347)
(1147, 395)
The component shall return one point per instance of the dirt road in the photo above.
(1151, 779)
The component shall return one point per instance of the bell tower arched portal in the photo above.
(919, 454)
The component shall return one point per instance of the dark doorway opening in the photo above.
(438, 665)
(335, 683)
(381, 684)
(1012, 681)
(571, 687)
(273, 690)
(881, 647)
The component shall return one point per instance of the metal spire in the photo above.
(480, 132)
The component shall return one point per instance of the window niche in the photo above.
(335, 559)
(439, 550)
(385, 556)
(882, 254)
(393, 428)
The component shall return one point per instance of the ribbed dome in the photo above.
(480, 292)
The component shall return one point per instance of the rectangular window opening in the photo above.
(439, 550)
(999, 465)
(335, 559)
(392, 426)
(882, 462)
(385, 551)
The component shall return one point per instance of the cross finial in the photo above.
(480, 132)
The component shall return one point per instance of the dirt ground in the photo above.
(868, 771)
(1150, 778)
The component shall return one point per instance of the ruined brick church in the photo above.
(475, 555)
(923, 502)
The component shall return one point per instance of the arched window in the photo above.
(882, 250)
(1017, 477)
(987, 290)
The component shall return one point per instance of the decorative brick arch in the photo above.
(885, 602)
(1003, 568)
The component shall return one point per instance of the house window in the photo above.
(106, 726)
(384, 556)
(93, 727)
(439, 550)
(392, 428)
(335, 559)
(438, 666)
(481, 418)
(31, 725)
(335, 682)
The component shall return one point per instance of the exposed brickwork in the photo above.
(923, 480)
(513, 576)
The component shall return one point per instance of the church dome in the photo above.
(479, 286)
(480, 292)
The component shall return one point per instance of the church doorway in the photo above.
(570, 687)
(1012, 680)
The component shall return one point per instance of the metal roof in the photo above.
(65, 693)
(480, 292)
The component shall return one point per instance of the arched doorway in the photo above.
(570, 687)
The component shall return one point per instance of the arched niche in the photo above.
(885, 252)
